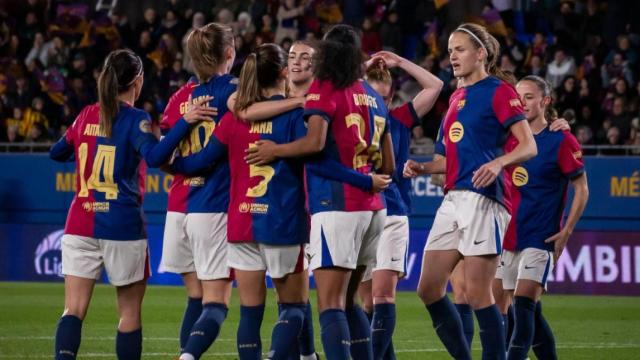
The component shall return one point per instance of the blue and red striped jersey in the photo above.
(267, 202)
(539, 190)
(474, 132)
(109, 171)
(398, 194)
(209, 191)
(357, 118)
(178, 195)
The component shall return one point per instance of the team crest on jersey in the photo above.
(461, 104)
(520, 176)
(577, 155)
(456, 132)
(145, 126)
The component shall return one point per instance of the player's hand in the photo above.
(262, 152)
(486, 174)
(200, 110)
(560, 242)
(412, 169)
(389, 58)
(380, 182)
(559, 124)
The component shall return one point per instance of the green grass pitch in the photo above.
(585, 327)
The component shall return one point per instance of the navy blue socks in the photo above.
(205, 331)
(68, 336)
(360, 332)
(248, 337)
(286, 331)
(382, 327)
(491, 332)
(448, 326)
(191, 315)
(129, 345)
(335, 334)
(466, 316)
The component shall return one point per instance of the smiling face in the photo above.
(299, 63)
(465, 58)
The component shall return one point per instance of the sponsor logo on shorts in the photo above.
(520, 176)
(529, 267)
(253, 208)
(396, 259)
(475, 242)
(96, 206)
(456, 132)
(48, 255)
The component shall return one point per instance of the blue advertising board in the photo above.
(603, 256)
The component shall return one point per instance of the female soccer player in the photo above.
(195, 231)
(267, 220)
(379, 284)
(346, 223)
(536, 238)
(472, 220)
(105, 225)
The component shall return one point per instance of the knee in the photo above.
(77, 311)
(478, 297)
(429, 293)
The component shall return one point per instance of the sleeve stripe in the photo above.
(309, 112)
(512, 120)
(576, 173)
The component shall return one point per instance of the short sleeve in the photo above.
(320, 101)
(506, 105)
(570, 158)
(439, 147)
(224, 129)
(406, 115)
(175, 108)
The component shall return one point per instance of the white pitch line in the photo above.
(162, 354)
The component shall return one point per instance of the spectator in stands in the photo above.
(287, 16)
(567, 95)
(536, 66)
(371, 42)
(619, 117)
(37, 134)
(561, 67)
(617, 68)
(32, 116)
(197, 22)
(391, 33)
(37, 50)
(613, 138)
(623, 47)
(13, 135)
(151, 25)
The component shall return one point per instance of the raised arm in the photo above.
(264, 109)
(431, 85)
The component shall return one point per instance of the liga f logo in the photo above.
(520, 176)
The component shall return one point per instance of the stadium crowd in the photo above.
(51, 53)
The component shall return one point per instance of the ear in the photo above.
(546, 101)
(229, 53)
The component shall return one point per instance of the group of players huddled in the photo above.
(300, 165)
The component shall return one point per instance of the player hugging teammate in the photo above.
(298, 164)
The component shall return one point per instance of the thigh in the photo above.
(457, 284)
(126, 262)
(208, 237)
(252, 289)
(384, 286)
(81, 257)
(437, 266)
(130, 305)
(177, 254)
(77, 295)
(479, 274)
(192, 284)
(331, 285)
(293, 288)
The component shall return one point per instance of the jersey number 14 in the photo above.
(103, 166)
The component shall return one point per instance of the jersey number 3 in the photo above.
(103, 166)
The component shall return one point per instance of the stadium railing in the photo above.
(629, 150)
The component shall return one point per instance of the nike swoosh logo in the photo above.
(478, 242)
(529, 267)
(395, 259)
